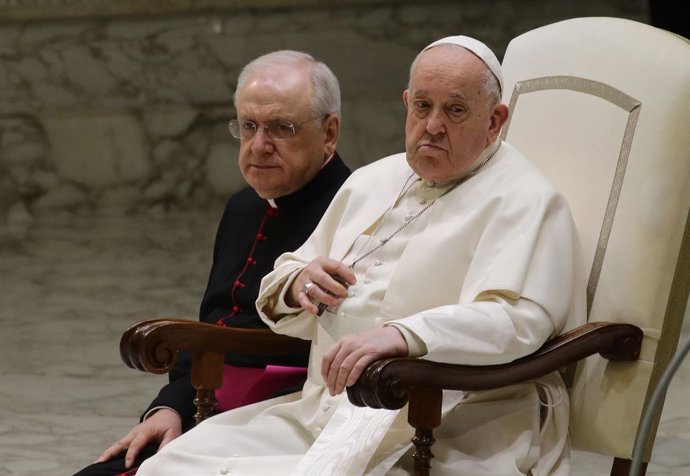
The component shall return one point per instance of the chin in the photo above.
(264, 184)
(431, 177)
(424, 171)
(266, 194)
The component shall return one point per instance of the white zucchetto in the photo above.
(480, 50)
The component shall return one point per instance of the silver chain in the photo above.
(382, 242)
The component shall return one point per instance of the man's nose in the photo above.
(435, 122)
(261, 143)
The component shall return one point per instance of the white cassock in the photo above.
(484, 276)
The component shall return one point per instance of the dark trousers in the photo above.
(116, 466)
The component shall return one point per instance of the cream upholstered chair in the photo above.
(602, 107)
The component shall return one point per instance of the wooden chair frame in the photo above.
(152, 346)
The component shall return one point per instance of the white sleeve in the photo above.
(273, 309)
(486, 332)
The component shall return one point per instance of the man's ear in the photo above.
(499, 116)
(406, 95)
(331, 128)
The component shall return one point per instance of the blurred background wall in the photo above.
(120, 106)
(115, 163)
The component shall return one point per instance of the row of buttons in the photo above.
(238, 284)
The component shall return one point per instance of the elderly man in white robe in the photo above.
(457, 251)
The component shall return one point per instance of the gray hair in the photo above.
(326, 98)
(489, 84)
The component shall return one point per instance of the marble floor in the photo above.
(70, 285)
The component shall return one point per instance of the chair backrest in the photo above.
(602, 107)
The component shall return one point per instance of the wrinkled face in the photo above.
(450, 117)
(278, 168)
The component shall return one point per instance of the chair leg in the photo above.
(205, 402)
(424, 415)
(207, 376)
(423, 440)
(621, 467)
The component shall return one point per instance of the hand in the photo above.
(321, 272)
(342, 365)
(163, 426)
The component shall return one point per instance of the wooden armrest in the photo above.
(387, 383)
(152, 346)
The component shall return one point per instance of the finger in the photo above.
(327, 361)
(347, 273)
(336, 267)
(115, 449)
(306, 303)
(109, 453)
(339, 370)
(357, 370)
(165, 441)
(318, 294)
(135, 448)
(329, 286)
(332, 376)
(169, 436)
(314, 296)
(330, 274)
(345, 370)
(297, 287)
(106, 455)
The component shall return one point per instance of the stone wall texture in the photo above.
(127, 113)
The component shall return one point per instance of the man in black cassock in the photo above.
(288, 123)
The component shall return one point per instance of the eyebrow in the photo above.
(277, 119)
(424, 92)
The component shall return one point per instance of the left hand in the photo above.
(342, 365)
(162, 427)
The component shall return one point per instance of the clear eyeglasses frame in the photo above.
(275, 130)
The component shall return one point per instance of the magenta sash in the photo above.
(245, 385)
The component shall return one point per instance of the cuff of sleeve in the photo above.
(415, 346)
(153, 410)
(281, 307)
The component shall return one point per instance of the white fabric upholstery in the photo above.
(607, 75)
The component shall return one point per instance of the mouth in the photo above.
(429, 147)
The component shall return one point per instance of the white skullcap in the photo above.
(479, 49)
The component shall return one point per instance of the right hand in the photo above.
(161, 427)
(327, 290)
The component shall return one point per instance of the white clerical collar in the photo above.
(483, 157)
(272, 202)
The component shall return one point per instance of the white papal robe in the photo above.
(485, 275)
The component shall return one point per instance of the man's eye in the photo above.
(456, 110)
(284, 126)
(248, 126)
(421, 105)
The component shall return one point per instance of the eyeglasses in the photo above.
(275, 130)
